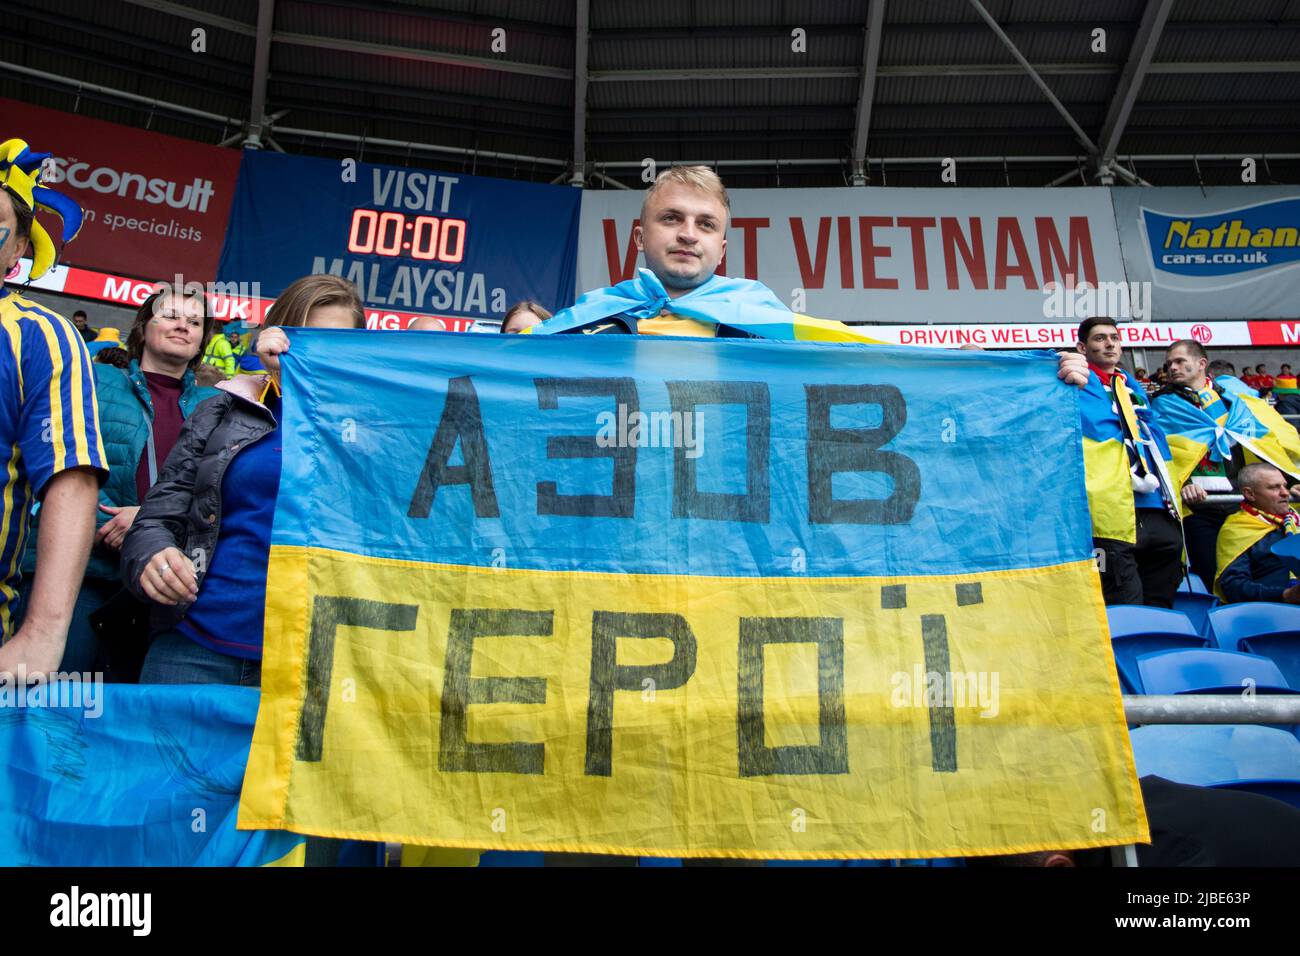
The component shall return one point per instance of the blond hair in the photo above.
(295, 303)
(697, 177)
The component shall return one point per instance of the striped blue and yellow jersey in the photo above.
(49, 422)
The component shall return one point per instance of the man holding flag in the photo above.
(682, 234)
(1214, 426)
(1130, 494)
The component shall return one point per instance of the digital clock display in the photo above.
(429, 238)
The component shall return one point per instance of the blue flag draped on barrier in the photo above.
(124, 775)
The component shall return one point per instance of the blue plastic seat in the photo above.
(1194, 599)
(1236, 756)
(1234, 623)
(1209, 671)
(1260, 627)
(1136, 630)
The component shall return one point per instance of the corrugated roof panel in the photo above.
(768, 92)
(719, 53)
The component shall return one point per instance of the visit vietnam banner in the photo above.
(684, 597)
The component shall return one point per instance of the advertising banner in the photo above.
(1222, 252)
(894, 255)
(736, 598)
(156, 206)
(414, 242)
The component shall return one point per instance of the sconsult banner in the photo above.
(412, 241)
(156, 206)
(631, 595)
(891, 255)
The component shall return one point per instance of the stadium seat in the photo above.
(1136, 630)
(1194, 600)
(1263, 628)
(503, 858)
(1262, 760)
(1208, 671)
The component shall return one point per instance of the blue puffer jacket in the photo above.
(125, 415)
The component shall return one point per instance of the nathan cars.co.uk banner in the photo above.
(649, 596)
(893, 255)
(155, 206)
(1214, 253)
(414, 242)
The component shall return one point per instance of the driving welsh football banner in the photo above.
(656, 596)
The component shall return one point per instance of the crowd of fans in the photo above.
(146, 555)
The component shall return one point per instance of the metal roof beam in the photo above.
(583, 13)
(424, 95)
(261, 63)
(1038, 80)
(867, 91)
(509, 24)
(1135, 71)
(936, 69)
(198, 16)
(422, 56)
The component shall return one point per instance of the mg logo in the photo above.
(1202, 333)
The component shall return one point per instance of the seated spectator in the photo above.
(199, 547)
(79, 320)
(1287, 393)
(118, 358)
(1248, 570)
(524, 315)
(1142, 375)
(1263, 381)
(1220, 367)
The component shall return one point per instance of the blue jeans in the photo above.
(175, 659)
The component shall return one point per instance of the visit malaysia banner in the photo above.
(155, 206)
(1222, 252)
(910, 256)
(414, 242)
(687, 598)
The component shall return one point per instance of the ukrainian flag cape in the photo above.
(742, 304)
(1106, 460)
(129, 775)
(1240, 417)
(1237, 536)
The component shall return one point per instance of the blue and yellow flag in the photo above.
(1118, 426)
(1233, 416)
(124, 775)
(669, 597)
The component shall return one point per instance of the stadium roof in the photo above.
(1168, 86)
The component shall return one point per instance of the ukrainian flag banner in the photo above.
(123, 775)
(659, 596)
